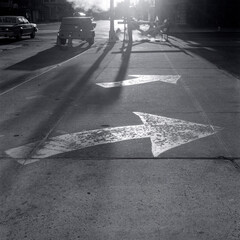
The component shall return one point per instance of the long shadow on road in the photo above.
(76, 88)
(102, 97)
(49, 57)
(66, 99)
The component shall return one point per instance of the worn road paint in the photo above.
(165, 133)
(140, 79)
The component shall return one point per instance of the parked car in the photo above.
(16, 26)
(76, 28)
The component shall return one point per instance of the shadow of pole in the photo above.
(126, 53)
(100, 98)
(47, 126)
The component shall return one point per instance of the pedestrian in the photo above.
(165, 28)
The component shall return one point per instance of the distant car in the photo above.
(16, 26)
(76, 28)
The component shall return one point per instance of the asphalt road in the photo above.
(120, 141)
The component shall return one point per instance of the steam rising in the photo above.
(97, 4)
(91, 4)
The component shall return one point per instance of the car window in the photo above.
(25, 20)
(21, 20)
(8, 20)
(84, 23)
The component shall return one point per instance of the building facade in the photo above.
(37, 10)
(200, 13)
(55, 10)
(175, 10)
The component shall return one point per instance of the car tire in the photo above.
(18, 36)
(90, 41)
(32, 34)
(63, 41)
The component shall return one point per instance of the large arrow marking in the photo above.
(140, 79)
(165, 133)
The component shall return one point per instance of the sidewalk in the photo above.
(189, 29)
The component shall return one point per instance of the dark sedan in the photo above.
(16, 26)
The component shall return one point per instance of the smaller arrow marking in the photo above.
(141, 79)
(165, 133)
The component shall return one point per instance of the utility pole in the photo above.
(129, 22)
(112, 35)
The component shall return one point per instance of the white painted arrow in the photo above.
(140, 79)
(165, 133)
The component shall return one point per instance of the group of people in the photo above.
(155, 28)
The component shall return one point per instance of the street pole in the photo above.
(112, 35)
(129, 22)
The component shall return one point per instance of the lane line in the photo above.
(44, 139)
(38, 75)
(28, 80)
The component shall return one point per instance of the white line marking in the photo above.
(165, 133)
(28, 80)
(141, 79)
(10, 47)
(42, 73)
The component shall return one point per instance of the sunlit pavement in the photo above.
(150, 160)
